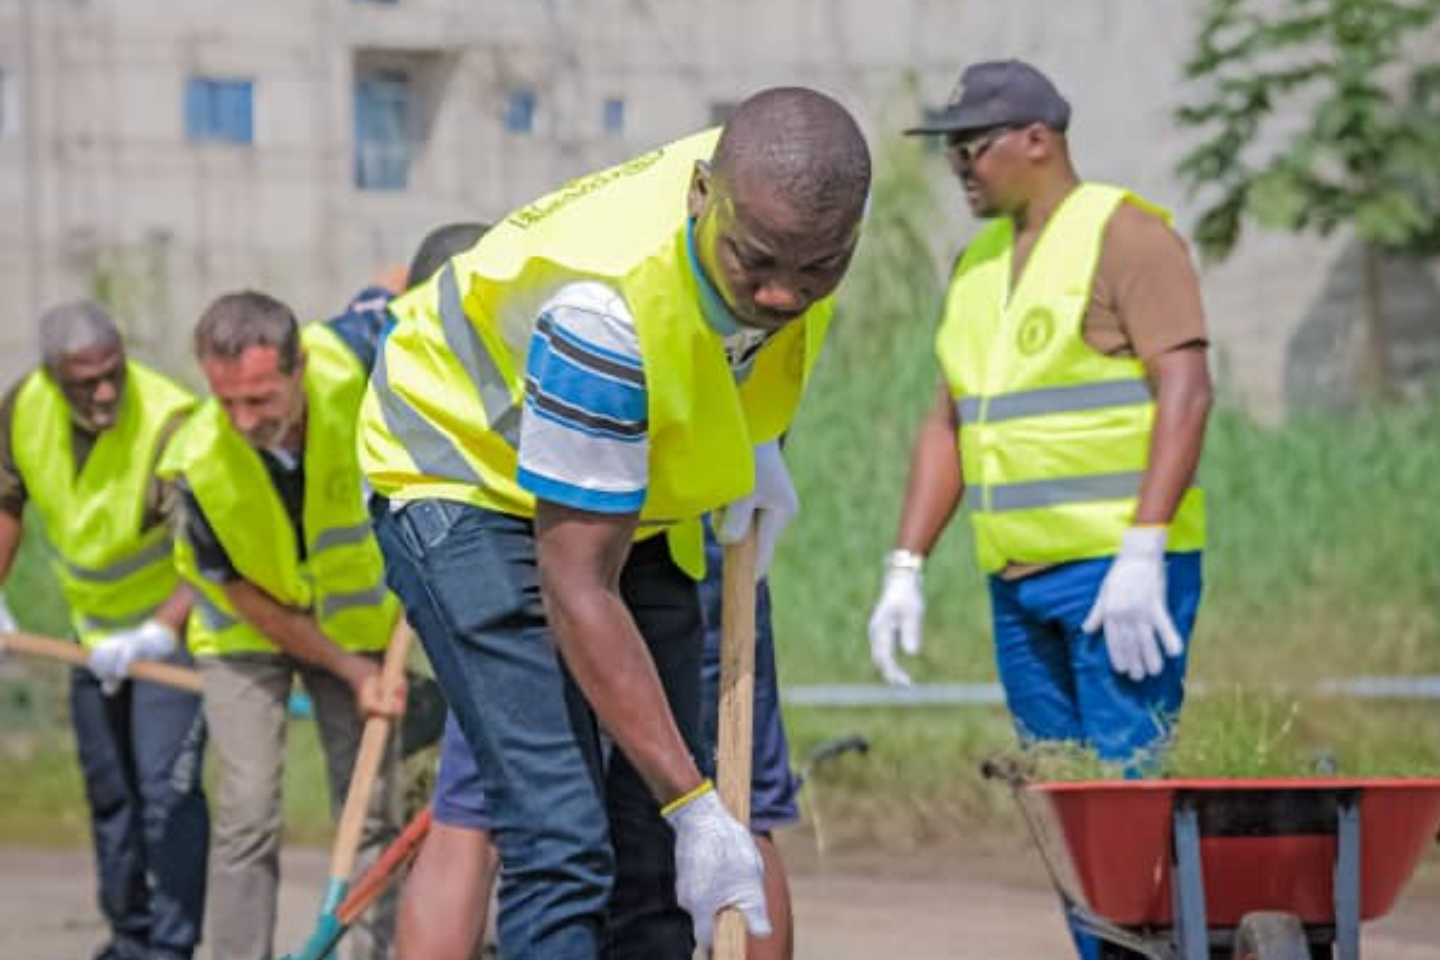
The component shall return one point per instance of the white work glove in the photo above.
(717, 865)
(1131, 607)
(771, 504)
(110, 659)
(7, 620)
(898, 615)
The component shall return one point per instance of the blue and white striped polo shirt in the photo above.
(584, 431)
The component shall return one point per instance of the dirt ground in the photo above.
(995, 907)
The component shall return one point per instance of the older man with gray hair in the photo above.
(80, 438)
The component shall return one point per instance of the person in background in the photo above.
(289, 581)
(79, 442)
(1073, 411)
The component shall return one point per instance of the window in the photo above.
(383, 124)
(219, 111)
(613, 119)
(520, 110)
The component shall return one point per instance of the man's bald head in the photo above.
(801, 145)
(777, 208)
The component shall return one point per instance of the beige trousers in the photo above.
(246, 708)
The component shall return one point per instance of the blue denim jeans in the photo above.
(140, 752)
(588, 862)
(1057, 678)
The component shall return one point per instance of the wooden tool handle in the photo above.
(367, 761)
(737, 711)
(66, 651)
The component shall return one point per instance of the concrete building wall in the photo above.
(101, 192)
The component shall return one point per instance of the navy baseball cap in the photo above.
(999, 93)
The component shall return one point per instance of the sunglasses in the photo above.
(969, 148)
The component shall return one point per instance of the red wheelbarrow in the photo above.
(1218, 869)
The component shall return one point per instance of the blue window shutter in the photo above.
(197, 102)
(520, 110)
(227, 112)
(239, 112)
(219, 110)
(615, 115)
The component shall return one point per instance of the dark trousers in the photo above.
(588, 862)
(140, 752)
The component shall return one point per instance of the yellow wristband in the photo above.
(705, 787)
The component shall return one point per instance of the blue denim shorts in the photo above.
(459, 800)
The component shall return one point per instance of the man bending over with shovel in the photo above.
(613, 359)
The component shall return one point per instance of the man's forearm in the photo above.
(1183, 397)
(293, 631)
(176, 607)
(580, 556)
(607, 656)
(935, 485)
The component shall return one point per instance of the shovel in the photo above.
(328, 926)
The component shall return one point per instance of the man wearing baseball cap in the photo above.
(1075, 393)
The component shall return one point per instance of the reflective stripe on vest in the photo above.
(156, 552)
(1068, 399)
(1054, 436)
(1030, 495)
(341, 578)
(502, 413)
(113, 573)
(441, 418)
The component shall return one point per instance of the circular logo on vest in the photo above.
(1035, 332)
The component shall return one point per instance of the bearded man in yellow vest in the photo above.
(79, 442)
(1076, 393)
(288, 580)
(608, 362)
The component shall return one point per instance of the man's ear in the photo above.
(1040, 142)
(700, 187)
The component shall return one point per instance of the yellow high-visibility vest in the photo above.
(1054, 436)
(342, 578)
(113, 572)
(442, 416)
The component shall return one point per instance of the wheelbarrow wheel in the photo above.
(1267, 935)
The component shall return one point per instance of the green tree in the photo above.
(1319, 114)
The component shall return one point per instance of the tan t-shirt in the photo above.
(1144, 300)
